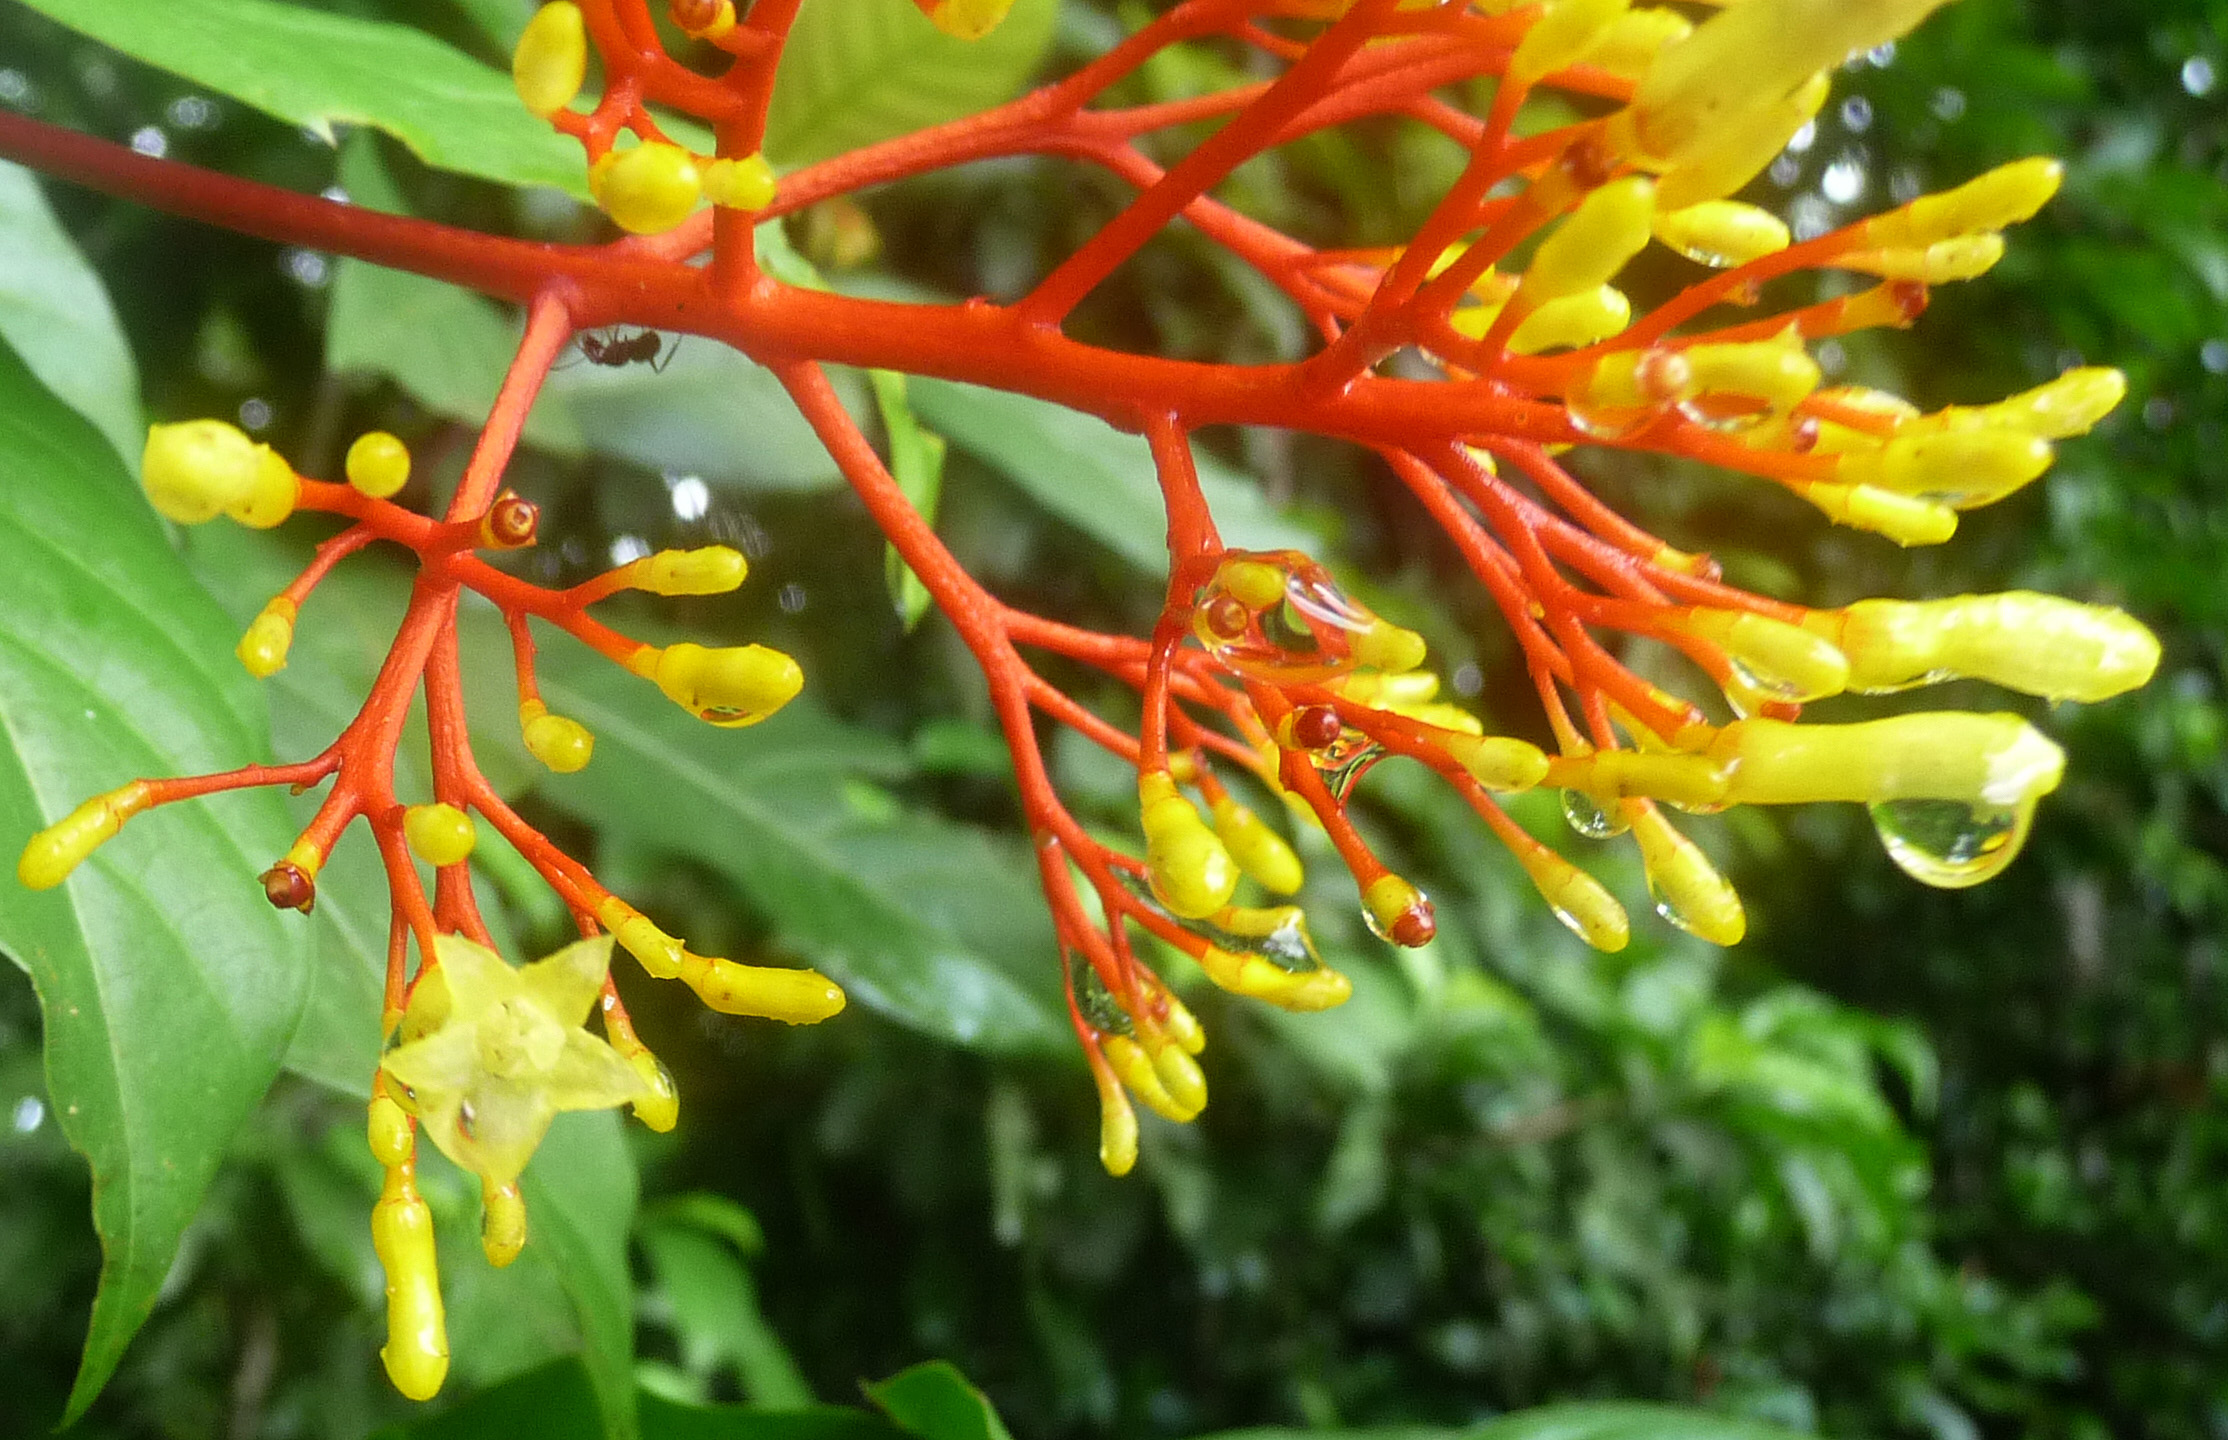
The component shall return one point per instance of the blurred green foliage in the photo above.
(1906, 1162)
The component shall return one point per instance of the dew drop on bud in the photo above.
(1949, 844)
(1589, 819)
(1315, 726)
(1226, 617)
(288, 887)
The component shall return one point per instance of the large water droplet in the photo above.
(1589, 819)
(1611, 422)
(1948, 843)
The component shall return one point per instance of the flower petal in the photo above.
(438, 1068)
(566, 984)
(590, 1075)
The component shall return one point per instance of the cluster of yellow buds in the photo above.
(196, 470)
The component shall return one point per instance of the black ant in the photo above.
(616, 348)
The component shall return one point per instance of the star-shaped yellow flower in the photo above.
(490, 1054)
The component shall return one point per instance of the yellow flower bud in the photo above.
(502, 1223)
(1958, 468)
(1181, 1078)
(417, 1350)
(1561, 37)
(1606, 775)
(1136, 1069)
(1576, 898)
(647, 190)
(707, 570)
(1734, 155)
(49, 856)
(551, 60)
(1497, 762)
(1997, 760)
(1904, 519)
(1117, 1126)
(1573, 321)
(562, 744)
(1386, 647)
(796, 997)
(1397, 911)
(1184, 1027)
(966, 19)
(438, 834)
(387, 1131)
(658, 952)
(1785, 662)
(2039, 644)
(195, 470)
(1250, 975)
(1966, 257)
(745, 184)
(1630, 42)
(1397, 693)
(732, 686)
(1778, 371)
(273, 495)
(1259, 851)
(1255, 583)
(660, 1109)
(269, 636)
(378, 464)
(1688, 890)
(1592, 244)
(2003, 196)
(1189, 868)
(2069, 405)
(1722, 233)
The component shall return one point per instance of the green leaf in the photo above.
(917, 464)
(934, 1401)
(934, 924)
(1610, 1420)
(318, 69)
(865, 70)
(1095, 477)
(55, 312)
(713, 1305)
(168, 985)
(580, 1197)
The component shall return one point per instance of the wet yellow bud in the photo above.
(1592, 244)
(1783, 661)
(1958, 468)
(1629, 44)
(1734, 155)
(1966, 257)
(2069, 405)
(1687, 888)
(387, 1131)
(1386, 647)
(438, 834)
(1187, 864)
(733, 686)
(1181, 1078)
(195, 470)
(1634, 379)
(1259, 851)
(502, 1223)
(1136, 1069)
(660, 1109)
(1573, 321)
(378, 464)
(1722, 232)
(1778, 372)
(2003, 196)
(658, 952)
(1905, 519)
(269, 636)
(967, 19)
(1397, 911)
(2038, 644)
(1609, 775)
(1578, 899)
(50, 856)
(707, 570)
(417, 1350)
(1254, 583)
(1998, 760)
(1497, 762)
(1117, 1126)
(745, 184)
(1184, 1027)
(795, 997)
(647, 190)
(273, 495)
(1562, 36)
(1250, 975)
(551, 60)
(561, 744)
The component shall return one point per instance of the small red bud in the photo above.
(510, 523)
(289, 887)
(1416, 925)
(1227, 617)
(693, 15)
(1315, 726)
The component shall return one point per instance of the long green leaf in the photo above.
(858, 71)
(1093, 476)
(936, 1402)
(56, 313)
(318, 69)
(169, 987)
(933, 924)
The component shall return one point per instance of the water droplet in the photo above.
(1589, 819)
(1344, 762)
(1611, 422)
(1948, 843)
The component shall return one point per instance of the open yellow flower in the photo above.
(490, 1054)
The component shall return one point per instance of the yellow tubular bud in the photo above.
(269, 636)
(1997, 760)
(1184, 1027)
(659, 953)
(378, 464)
(1181, 1078)
(1136, 1069)
(1387, 648)
(2069, 405)
(1578, 899)
(49, 856)
(1688, 890)
(1739, 152)
(707, 570)
(2038, 644)
(1633, 379)
(1722, 232)
(1573, 321)
(438, 834)
(1958, 468)
(646, 190)
(273, 495)
(1592, 244)
(1250, 975)
(1967, 257)
(2003, 196)
(387, 1131)
(502, 1223)
(417, 1349)
(1117, 1125)
(1904, 519)
(733, 686)
(1389, 692)
(1259, 851)
(1561, 37)
(967, 19)
(195, 470)
(1778, 372)
(561, 744)
(795, 997)
(1629, 44)
(1786, 662)
(661, 1108)
(745, 184)
(1658, 774)
(1189, 868)
(1497, 762)
(1397, 911)
(551, 60)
